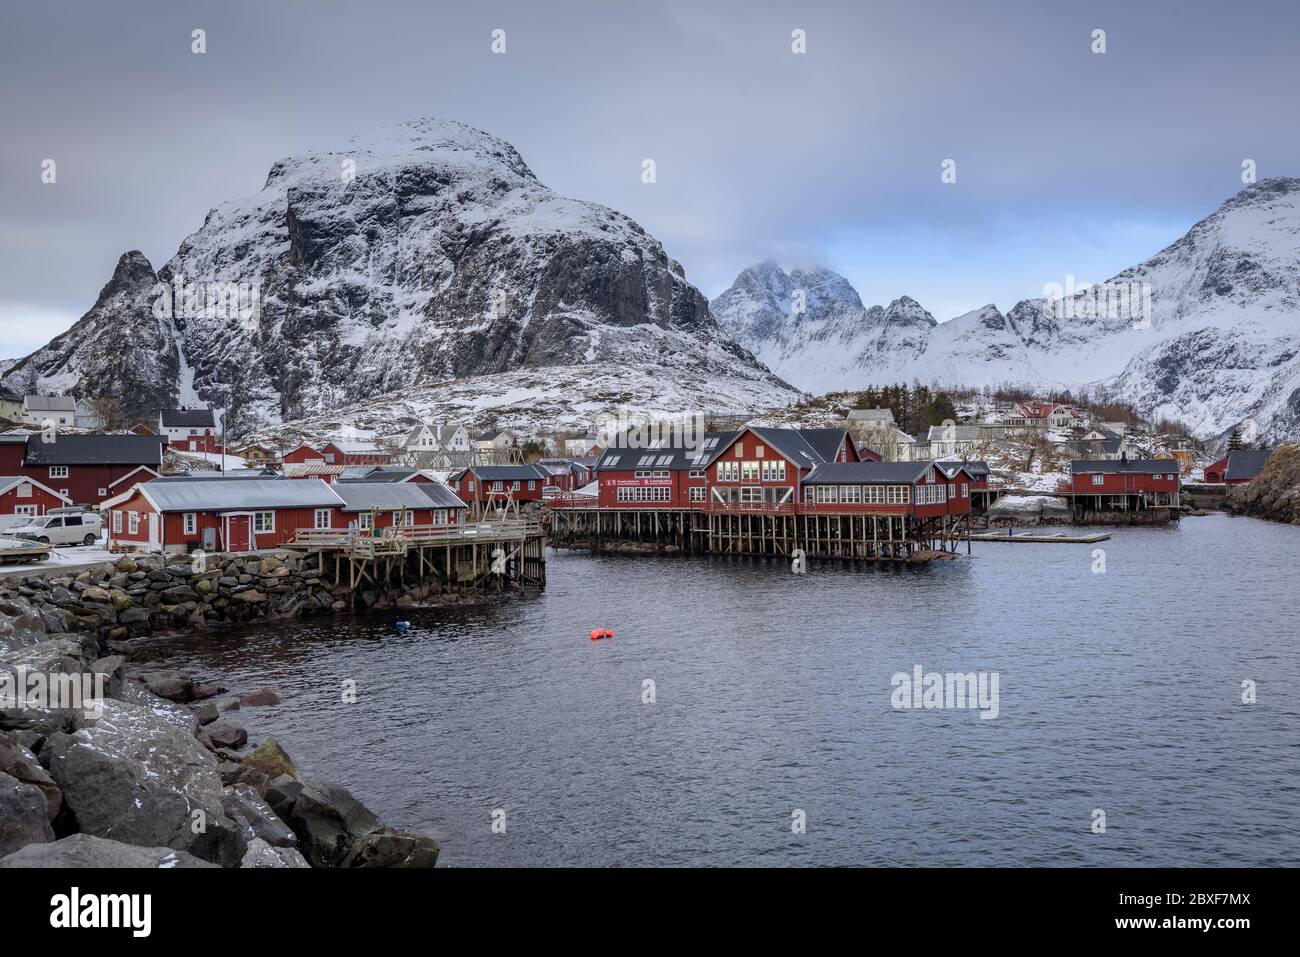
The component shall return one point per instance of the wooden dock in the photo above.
(823, 532)
(1035, 538)
(506, 552)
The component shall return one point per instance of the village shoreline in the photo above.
(160, 773)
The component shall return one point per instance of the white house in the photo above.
(444, 437)
(190, 429)
(496, 439)
(86, 416)
(43, 410)
(580, 446)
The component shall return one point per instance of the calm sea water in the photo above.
(1118, 691)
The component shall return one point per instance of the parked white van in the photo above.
(61, 526)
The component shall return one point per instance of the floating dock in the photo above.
(1037, 538)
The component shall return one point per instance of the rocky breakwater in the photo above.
(1274, 493)
(109, 763)
(139, 595)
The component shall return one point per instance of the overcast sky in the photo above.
(1068, 161)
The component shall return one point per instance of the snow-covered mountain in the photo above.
(1219, 347)
(423, 253)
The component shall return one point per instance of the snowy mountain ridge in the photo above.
(424, 253)
(1220, 347)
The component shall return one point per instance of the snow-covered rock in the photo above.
(1220, 346)
(423, 253)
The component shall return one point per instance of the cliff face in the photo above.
(1275, 492)
(420, 254)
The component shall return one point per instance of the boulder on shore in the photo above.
(24, 815)
(133, 776)
(20, 763)
(246, 808)
(86, 850)
(388, 847)
(329, 821)
(262, 854)
(271, 760)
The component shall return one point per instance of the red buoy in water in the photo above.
(600, 633)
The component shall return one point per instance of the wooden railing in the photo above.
(391, 540)
(572, 500)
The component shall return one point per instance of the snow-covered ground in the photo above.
(68, 557)
(213, 458)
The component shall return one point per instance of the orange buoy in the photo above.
(599, 633)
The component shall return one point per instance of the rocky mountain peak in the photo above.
(420, 253)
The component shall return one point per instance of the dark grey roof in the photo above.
(188, 419)
(974, 468)
(224, 496)
(503, 473)
(671, 457)
(1245, 464)
(827, 442)
(96, 450)
(1127, 466)
(375, 473)
(793, 445)
(866, 473)
(441, 495)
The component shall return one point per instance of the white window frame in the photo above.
(259, 518)
(117, 521)
(58, 471)
(190, 523)
(1098, 479)
(317, 515)
(133, 523)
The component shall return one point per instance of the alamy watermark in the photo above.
(1128, 301)
(24, 688)
(946, 691)
(623, 430)
(182, 299)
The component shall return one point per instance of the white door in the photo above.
(153, 529)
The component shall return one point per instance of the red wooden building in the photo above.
(395, 504)
(523, 483)
(84, 468)
(1237, 467)
(764, 467)
(304, 454)
(22, 498)
(921, 490)
(235, 515)
(355, 453)
(1122, 484)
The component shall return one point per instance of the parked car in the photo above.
(61, 526)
